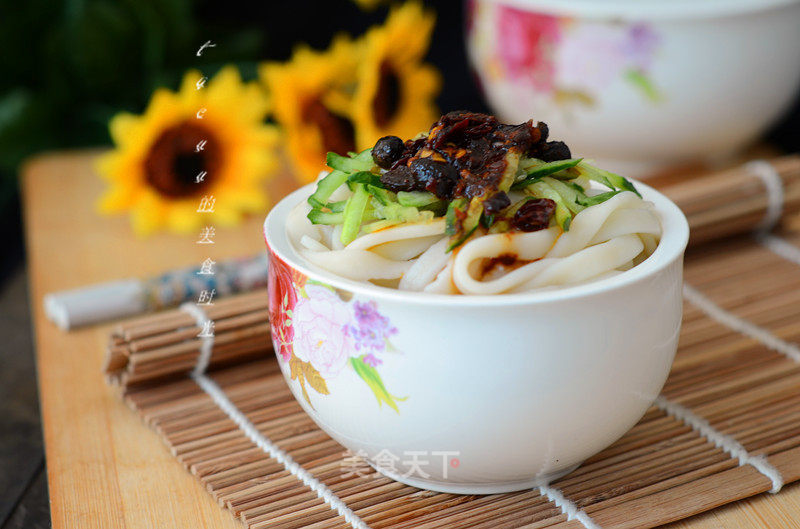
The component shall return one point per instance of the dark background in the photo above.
(67, 66)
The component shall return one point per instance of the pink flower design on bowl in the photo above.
(318, 334)
(320, 331)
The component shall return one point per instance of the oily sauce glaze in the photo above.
(463, 155)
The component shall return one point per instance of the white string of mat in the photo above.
(249, 429)
(568, 507)
(727, 443)
(775, 198)
(773, 183)
(702, 426)
(206, 338)
(740, 325)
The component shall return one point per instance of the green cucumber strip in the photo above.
(572, 197)
(451, 219)
(364, 156)
(501, 226)
(384, 196)
(607, 178)
(536, 172)
(394, 211)
(598, 199)
(487, 220)
(365, 177)
(354, 214)
(324, 217)
(336, 207)
(457, 241)
(325, 188)
(510, 172)
(360, 162)
(469, 224)
(563, 214)
(438, 208)
(379, 225)
(417, 199)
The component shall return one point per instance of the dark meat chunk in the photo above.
(553, 151)
(544, 131)
(387, 150)
(496, 203)
(439, 178)
(399, 179)
(534, 215)
(410, 149)
(465, 155)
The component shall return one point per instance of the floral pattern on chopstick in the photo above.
(319, 334)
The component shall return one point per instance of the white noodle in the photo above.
(603, 240)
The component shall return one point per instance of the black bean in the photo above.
(399, 179)
(554, 150)
(439, 178)
(387, 150)
(534, 215)
(544, 131)
(496, 203)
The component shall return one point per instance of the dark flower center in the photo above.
(338, 134)
(387, 97)
(174, 162)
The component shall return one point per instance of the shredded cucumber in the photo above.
(534, 172)
(563, 214)
(469, 224)
(379, 225)
(325, 188)
(361, 162)
(607, 178)
(572, 197)
(394, 211)
(354, 214)
(325, 217)
(418, 199)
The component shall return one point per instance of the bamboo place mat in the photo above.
(727, 426)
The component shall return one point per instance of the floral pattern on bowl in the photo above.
(557, 56)
(319, 334)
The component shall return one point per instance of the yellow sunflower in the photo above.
(311, 95)
(396, 90)
(154, 168)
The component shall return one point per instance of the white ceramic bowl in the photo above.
(476, 394)
(639, 83)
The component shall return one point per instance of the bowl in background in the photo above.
(639, 84)
(476, 394)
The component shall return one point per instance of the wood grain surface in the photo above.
(106, 469)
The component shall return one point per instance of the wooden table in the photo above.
(105, 468)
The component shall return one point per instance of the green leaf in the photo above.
(370, 375)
